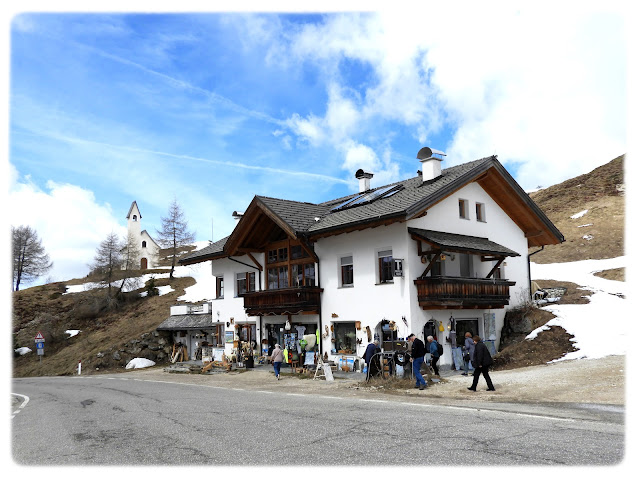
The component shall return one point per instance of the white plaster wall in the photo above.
(367, 301)
(232, 306)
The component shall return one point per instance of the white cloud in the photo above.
(69, 222)
(545, 92)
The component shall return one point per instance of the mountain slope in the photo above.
(596, 234)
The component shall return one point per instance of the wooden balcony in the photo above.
(440, 292)
(303, 300)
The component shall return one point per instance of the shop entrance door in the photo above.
(275, 334)
(464, 325)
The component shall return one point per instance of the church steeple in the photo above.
(133, 220)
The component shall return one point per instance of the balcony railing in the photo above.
(283, 301)
(440, 292)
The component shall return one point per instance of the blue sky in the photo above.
(214, 108)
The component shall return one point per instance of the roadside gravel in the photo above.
(574, 381)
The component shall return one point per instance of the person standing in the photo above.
(467, 352)
(481, 362)
(417, 354)
(435, 354)
(277, 357)
(371, 350)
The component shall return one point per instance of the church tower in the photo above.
(133, 220)
(149, 249)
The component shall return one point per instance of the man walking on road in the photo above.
(481, 361)
(417, 355)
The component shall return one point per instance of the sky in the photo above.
(212, 108)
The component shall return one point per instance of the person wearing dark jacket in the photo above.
(417, 358)
(481, 361)
(372, 349)
(467, 352)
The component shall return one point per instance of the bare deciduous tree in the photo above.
(30, 260)
(174, 233)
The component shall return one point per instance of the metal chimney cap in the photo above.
(427, 152)
(362, 174)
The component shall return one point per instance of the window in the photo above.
(135, 218)
(144, 244)
(289, 265)
(218, 335)
(346, 271)
(480, 212)
(303, 275)
(385, 266)
(463, 208)
(298, 252)
(245, 282)
(278, 277)
(345, 336)
(219, 287)
(247, 332)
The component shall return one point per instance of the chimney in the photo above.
(364, 179)
(431, 163)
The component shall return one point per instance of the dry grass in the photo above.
(598, 192)
(106, 330)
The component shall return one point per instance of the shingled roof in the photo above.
(409, 199)
(187, 322)
(454, 242)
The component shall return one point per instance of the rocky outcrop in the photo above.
(154, 346)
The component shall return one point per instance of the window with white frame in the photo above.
(245, 282)
(463, 208)
(480, 212)
(346, 271)
(385, 266)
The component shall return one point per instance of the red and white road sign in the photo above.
(39, 338)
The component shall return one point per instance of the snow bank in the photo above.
(205, 287)
(599, 326)
(140, 363)
(72, 333)
(163, 290)
(23, 350)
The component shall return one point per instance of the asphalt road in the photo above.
(101, 420)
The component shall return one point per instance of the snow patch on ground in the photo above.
(597, 327)
(23, 350)
(72, 333)
(579, 214)
(140, 363)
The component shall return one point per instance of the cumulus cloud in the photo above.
(546, 93)
(69, 222)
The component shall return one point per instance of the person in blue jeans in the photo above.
(417, 355)
(277, 358)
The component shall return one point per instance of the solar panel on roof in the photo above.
(343, 204)
(368, 197)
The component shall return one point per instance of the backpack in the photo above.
(440, 350)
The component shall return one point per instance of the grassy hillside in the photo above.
(46, 309)
(601, 192)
